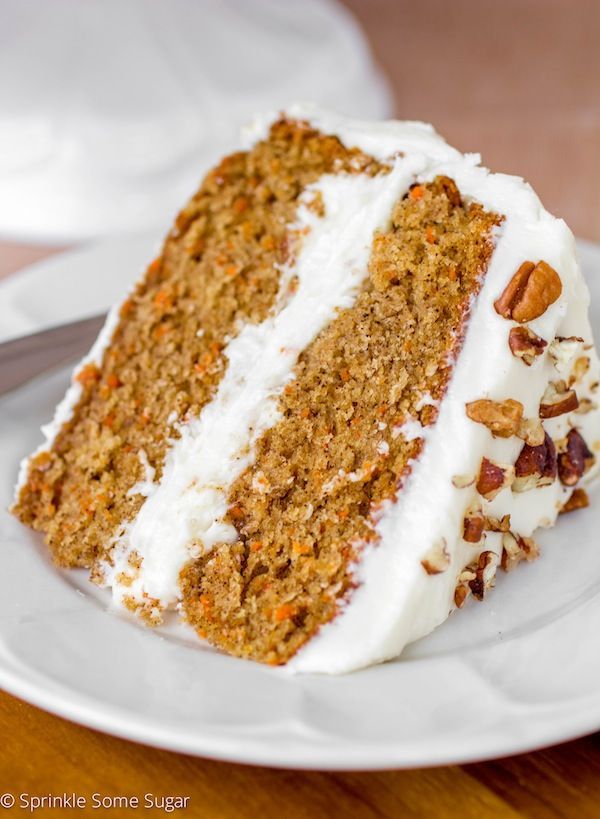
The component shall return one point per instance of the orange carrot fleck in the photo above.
(207, 609)
(305, 413)
(161, 331)
(301, 548)
(126, 308)
(236, 512)
(430, 235)
(267, 243)
(345, 375)
(256, 545)
(162, 299)
(42, 461)
(240, 205)
(284, 612)
(416, 192)
(113, 381)
(204, 362)
(88, 375)
(154, 266)
(182, 220)
(109, 420)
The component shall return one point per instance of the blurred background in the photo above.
(516, 80)
(111, 110)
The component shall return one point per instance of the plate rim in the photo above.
(207, 745)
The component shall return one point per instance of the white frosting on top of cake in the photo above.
(185, 514)
(381, 139)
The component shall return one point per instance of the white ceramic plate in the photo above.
(517, 672)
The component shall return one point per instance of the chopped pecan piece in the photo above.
(497, 524)
(525, 344)
(530, 292)
(563, 349)
(514, 290)
(577, 500)
(437, 558)
(502, 418)
(473, 525)
(575, 459)
(557, 400)
(484, 574)
(460, 595)
(536, 466)
(531, 431)
(515, 549)
(449, 187)
(580, 369)
(493, 478)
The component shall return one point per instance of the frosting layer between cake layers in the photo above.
(184, 514)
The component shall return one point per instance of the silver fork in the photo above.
(23, 358)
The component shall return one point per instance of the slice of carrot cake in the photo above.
(356, 380)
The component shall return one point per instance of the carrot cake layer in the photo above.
(357, 379)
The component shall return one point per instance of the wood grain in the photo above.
(44, 754)
(518, 81)
(47, 754)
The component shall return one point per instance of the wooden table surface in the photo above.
(518, 81)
